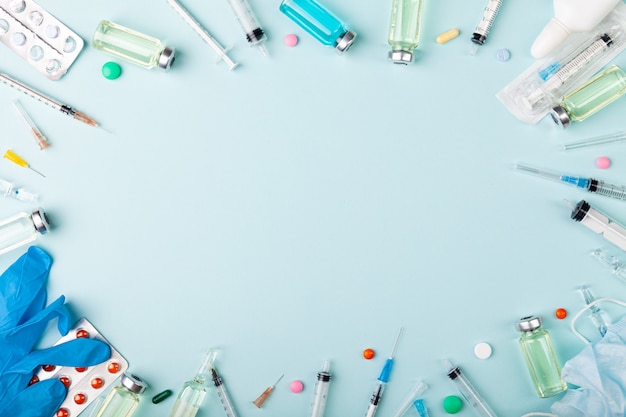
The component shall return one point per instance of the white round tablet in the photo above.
(482, 350)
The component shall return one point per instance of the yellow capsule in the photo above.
(447, 36)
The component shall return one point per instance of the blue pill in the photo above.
(503, 55)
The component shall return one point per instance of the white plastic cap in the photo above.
(550, 37)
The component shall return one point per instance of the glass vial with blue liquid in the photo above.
(193, 392)
(123, 400)
(540, 357)
(404, 30)
(319, 23)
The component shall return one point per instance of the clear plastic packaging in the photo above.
(533, 94)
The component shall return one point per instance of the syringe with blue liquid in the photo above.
(591, 185)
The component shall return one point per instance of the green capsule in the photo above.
(161, 396)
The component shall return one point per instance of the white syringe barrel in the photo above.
(321, 392)
(600, 223)
(248, 21)
(467, 390)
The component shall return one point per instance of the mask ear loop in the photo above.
(587, 307)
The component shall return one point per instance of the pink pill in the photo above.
(291, 40)
(296, 386)
(603, 162)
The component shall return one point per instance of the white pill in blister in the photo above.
(17, 6)
(482, 350)
(36, 53)
(70, 45)
(18, 39)
(52, 31)
(4, 26)
(53, 66)
(36, 17)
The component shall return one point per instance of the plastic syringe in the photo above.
(598, 222)
(383, 378)
(249, 23)
(321, 391)
(467, 390)
(222, 393)
(191, 21)
(484, 26)
(591, 185)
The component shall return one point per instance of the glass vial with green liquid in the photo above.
(123, 399)
(132, 46)
(404, 30)
(590, 97)
(193, 392)
(540, 357)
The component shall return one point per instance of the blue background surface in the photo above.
(304, 207)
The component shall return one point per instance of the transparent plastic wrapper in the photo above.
(534, 93)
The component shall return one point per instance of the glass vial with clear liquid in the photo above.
(21, 229)
(319, 23)
(132, 46)
(193, 392)
(124, 398)
(404, 30)
(590, 97)
(540, 357)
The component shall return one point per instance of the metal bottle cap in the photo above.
(345, 42)
(560, 116)
(400, 57)
(40, 220)
(166, 59)
(527, 324)
(133, 383)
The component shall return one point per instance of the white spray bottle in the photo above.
(570, 16)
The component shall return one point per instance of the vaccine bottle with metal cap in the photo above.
(124, 398)
(319, 23)
(590, 97)
(21, 229)
(404, 30)
(132, 46)
(540, 357)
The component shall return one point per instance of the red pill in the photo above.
(113, 367)
(33, 380)
(48, 368)
(82, 333)
(97, 383)
(560, 313)
(62, 412)
(65, 381)
(80, 369)
(368, 353)
(80, 398)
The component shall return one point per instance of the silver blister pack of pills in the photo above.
(38, 37)
(83, 385)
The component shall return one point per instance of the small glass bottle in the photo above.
(590, 97)
(123, 399)
(404, 30)
(540, 357)
(193, 392)
(319, 22)
(132, 46)
(21, 229)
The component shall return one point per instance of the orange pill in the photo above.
(82, 333)
(560, 313)
(97, 383)
(113, 367)
(368, 353)
(65, 381)
(80, 398)
(62, 412)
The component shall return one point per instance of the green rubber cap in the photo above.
(452, 404)
(111, 70)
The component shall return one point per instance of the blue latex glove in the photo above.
(23, 319)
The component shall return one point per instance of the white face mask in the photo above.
(599, 372)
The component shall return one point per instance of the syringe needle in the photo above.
(261, 399)
(39, 137)
(395, 344)
(18, 160)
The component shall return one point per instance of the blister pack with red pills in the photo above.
(84, 384)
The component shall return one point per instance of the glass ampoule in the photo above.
(193, 392)
(319, 23)
(8, 189)
(123, 400)
(540, 357)
(21, 229)
(590, 97)
(132, 46)
(404, 30)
